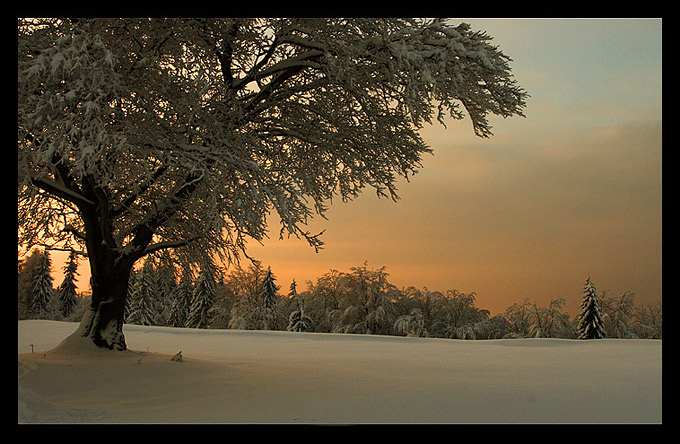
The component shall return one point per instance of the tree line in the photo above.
(361, 301)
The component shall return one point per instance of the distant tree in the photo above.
(519, 318)
(550, 322)
(298, 321)
(411, 324)
(619, 315)
(453, 314)
(181, 305)
(27, 271)
(145, 309)
(67, 289)
(202, 298)
(41, 304)
(365, 302)
(268, 301)
(648, 321)
(590, 323)
(166, 285)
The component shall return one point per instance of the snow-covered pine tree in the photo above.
(269, 301)
(202, 298)
(67, 289)
(42, 291)
(145, 309)
(181, 305)
(298, 321)
(590, 323)
(166, 284)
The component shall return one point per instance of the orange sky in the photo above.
(573, 189)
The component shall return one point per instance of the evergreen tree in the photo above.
(42, 291)
(145, 309)
(298, 320)
(268, 299)
(67, 289)
(181, 306)
(26, 273)
(203, 298)
(590, 323)
(166, 284)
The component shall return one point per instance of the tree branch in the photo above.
(168, 244)
(56, 189)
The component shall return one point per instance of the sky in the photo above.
(571, 190)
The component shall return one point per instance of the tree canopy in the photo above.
(191, 131)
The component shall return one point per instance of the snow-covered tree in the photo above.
(618, 315)
(141, 134)
(298, 321)
(181, 305)
(145, 307)
(67, 289)
(648, 321)
(550, 322)
(26, 273)
(411, 324)
(269, 301)
(202, 298)
(166, 285)
(41, 304)
(590, 323)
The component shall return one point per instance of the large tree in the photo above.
(137, 135)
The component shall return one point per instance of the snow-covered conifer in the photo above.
(590, 323)
(269, 301)
(202, 298)
(298, 320)
(67, 289)
(42, 291)
(145, 308)
(181, 305)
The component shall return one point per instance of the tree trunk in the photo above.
(103, 320)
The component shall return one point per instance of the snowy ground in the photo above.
(231, 376)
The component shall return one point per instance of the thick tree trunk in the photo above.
(103, 321)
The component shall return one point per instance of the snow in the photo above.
(238, 376)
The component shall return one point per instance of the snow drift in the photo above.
(234, 376)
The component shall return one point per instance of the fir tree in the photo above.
(181, 306)
(202, 299)
(590, 323)
(145, 310)
(268, 299)
(67, 289)
(42, 291)
(298, 320)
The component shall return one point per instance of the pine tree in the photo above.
(181, 306)
(298, 321)
(166, 284)
(67, 289)
(202, 299)
(42, 291)
(144, 309)
(268, 299)
(590, 323)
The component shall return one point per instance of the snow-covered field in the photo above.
(232, 376)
